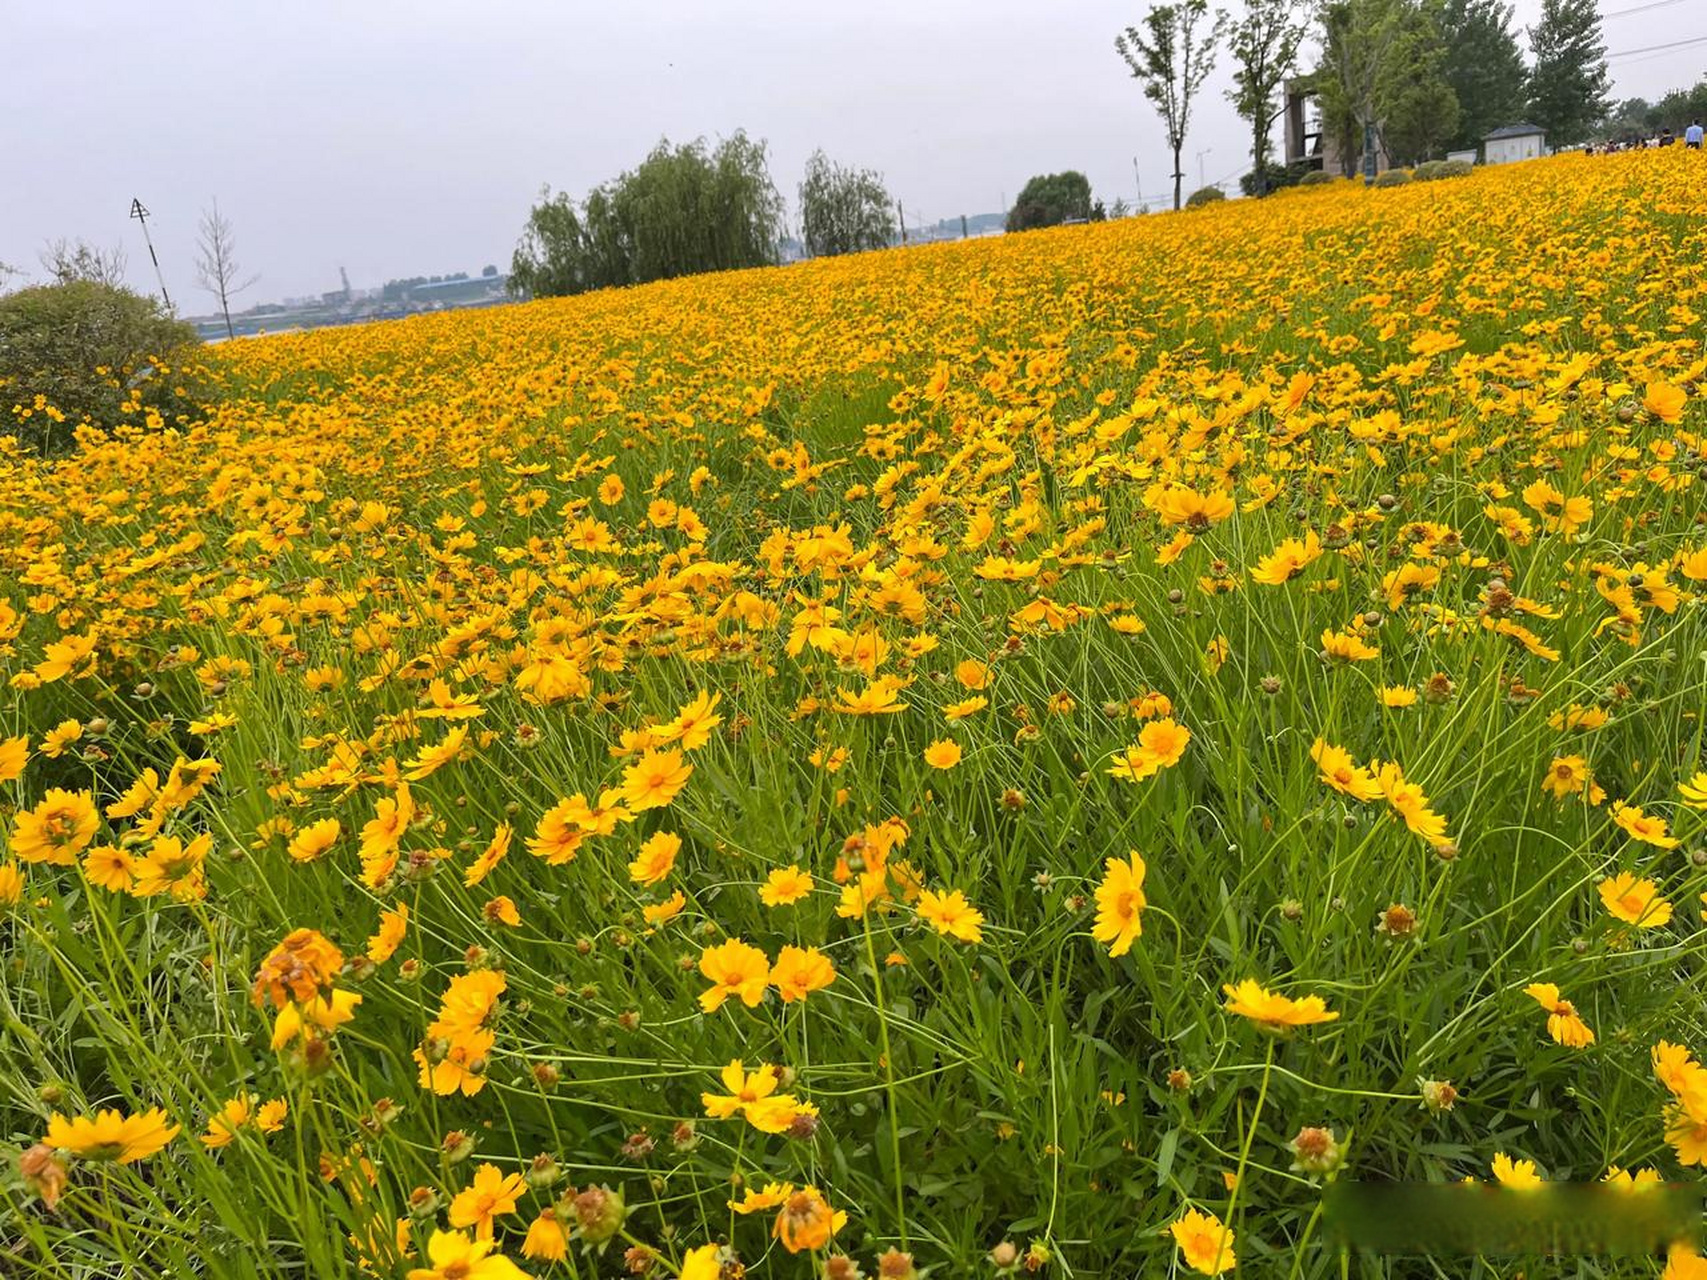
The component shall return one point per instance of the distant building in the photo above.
(1310, 144)
(1514, 142)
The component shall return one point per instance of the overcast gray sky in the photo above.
(399, 138)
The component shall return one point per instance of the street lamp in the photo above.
(1202, 180)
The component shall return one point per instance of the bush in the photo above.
(1435, 170)
(1279, 177)
(1393, 178)
(90, 353)
(1205, 195)
(1318, 178)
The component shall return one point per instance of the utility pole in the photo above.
(1202, 179)
(141, 215)
(963, 226)
(901, 216)
(1138, 182)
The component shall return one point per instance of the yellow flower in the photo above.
(393, 925)
(1341, 773)
(57, 739)
(755, 1201)
(1665, 401)
(1563, 1024)
(658, 913)
(1161, 745)
(111, 1135)
(1345, 646)
(800, 971)
(952, 915)
(436, 757)
(1204, 1243)
(501, 910)
(657, 857)
(785, 886)
(1566, 776)
(1634, 901)
(490, 1196)
(807, 1221)
(654, 780)
(490, 857)
(455, 1256)
(1272, 1011)
(1288, 560)
(734, 968)
(57, 829)
(1639, 826)
(1694, 792)
(314, 840)
(943, 754)
(1120, 904)
(14, 754)
(1519, 1175)
(222, 1127)
(703, 1263)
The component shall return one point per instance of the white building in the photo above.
(1513, 143)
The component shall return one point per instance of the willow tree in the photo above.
(843, 210)
(682, 210)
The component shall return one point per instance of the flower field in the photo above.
(1035, 755)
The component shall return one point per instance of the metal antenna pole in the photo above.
(141, 215)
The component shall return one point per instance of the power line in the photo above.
(1657, 48)
(1640, 8)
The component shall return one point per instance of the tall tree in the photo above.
(217, 270)
(843, 210)
(1358, 41)
(1483, 65)
(1170, 57)
(1264, 43)
(1417, 106)
(1568, 86)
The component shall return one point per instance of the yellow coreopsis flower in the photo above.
(111, 1135)
(1120, 903)
(1272, 1011)
(1563, 1024)
(1204, 1243)
(951, 915)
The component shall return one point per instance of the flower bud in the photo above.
(1315, 1151)
(599, 1212)
(1437, 1095)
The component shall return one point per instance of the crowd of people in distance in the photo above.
(1692, 137)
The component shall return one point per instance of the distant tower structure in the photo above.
(345, 277)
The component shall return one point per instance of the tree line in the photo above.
(1411, 79)
(690, 208)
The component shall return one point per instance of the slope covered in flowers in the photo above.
(1035, 754)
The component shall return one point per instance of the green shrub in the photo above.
(83, 352)
(1393, 178)
(1318, 178)
(1435, 170)
(1205, 195)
